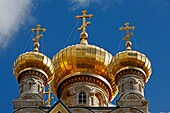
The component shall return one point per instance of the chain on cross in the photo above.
(38, 36)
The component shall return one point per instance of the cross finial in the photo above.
(84, 24)
(49, 96)
(127, 28)
(38, 36)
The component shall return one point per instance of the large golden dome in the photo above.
(84, 59)
(34, 61)
(81, 58)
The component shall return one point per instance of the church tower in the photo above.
(81, 75)
(85, 78)
(132, 70)
(34, 71)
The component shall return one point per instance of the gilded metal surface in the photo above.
(34, 60)
(49, 99)
(84, 35)
(59, 108)
(38, 36)
(84, 23)
(127, 28)
(82, 58)
(131, 59)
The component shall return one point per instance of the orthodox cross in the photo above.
(127, 28)
(49, 96)
(38, 36)
(84, 23)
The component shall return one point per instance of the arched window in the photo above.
(38, 87)
(82, 98)
(92, 101)
(21, 88)
(140, 88)
(122, 87)
(131, 85)
(30, 84)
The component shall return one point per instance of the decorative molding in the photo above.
(85, 79)
(126, 72)
(33, 74)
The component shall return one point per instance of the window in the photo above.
(92, 101)
(38, 88)
(140, 89)
(82, 98)
(131, 85)
(122, 87)
(21, 88)
(30, 84)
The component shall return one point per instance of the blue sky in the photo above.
(151, 37)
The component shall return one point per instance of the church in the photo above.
(85, 78)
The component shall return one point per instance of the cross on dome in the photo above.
(38, 36)
(127, 28)
(84, 35)
(84, 23)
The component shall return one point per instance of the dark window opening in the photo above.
(82, 98)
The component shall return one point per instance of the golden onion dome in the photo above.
(83, 58)
(34, 60)
(130, 59)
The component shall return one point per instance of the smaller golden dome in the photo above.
(131, 59)
(34, 60)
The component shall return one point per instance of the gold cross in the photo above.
(49, 96)
(38, 36)
(84, 23)
(127, 28)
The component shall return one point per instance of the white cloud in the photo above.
(13, 14)
(104, 4)
(76, 4)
